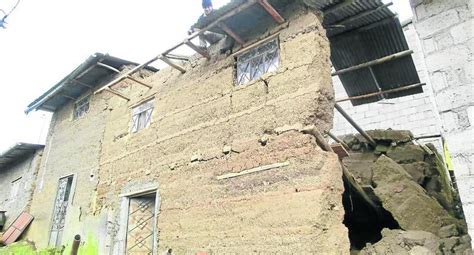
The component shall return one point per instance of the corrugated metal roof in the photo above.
(88, 73)
(17, 152)
(367, 38)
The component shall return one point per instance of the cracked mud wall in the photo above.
(72, 148)
(200, 113)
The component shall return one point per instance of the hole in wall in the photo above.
(364, 223)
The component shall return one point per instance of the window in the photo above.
(15, 189)
(141, 116)
(257, 61)
(81, 107)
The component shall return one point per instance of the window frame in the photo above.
(79, 104)
(256, 62)
(140, 113)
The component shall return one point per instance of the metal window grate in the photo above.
(81, 107)
(258, 61)
(141, 116)
(60, 208)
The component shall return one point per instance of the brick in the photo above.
(462, 32)
(436, 24)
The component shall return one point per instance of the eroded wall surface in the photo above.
(446, 31)
(72, 148)
(204, 126)
(23, 174)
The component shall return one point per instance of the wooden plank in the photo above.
(274, 13)
(231, 33)
(253, 170)
(256, 44)
(339, 150)
(374, 62)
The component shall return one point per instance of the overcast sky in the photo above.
(45, 40)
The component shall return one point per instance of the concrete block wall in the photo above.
(23, 172)
(445, 29)
(416, 113)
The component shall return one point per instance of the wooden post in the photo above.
(354, 124)
(374, 62)
(274, 13)
(200, 51)
(172, 64)
(231, 33)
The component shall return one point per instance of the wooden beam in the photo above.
(82, 83)
(111, 68)
(68, 97)
(335, 138)
(139, 82)
(115, 92)
(197, 49)
(172, 64)
(274, 13)
(361, 15)
(381, 92)
(256, 44)
(231, 33)
(374, 62)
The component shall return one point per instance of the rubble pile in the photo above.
(417, 209)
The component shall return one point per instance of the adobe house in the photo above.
(19, 166)
(222, 151)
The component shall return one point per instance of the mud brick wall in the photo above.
(200, 113)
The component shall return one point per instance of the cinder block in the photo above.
(435, 24)
(462, 32)
(451, 57)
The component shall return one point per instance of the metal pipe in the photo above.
(335, 138)
(382, 92)
(354, 124)
(75, 244)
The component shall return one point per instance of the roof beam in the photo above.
(68, 97)
(111, 68)
(139, 82)
(197, 49)
(177, 57)
(117, 93)
(374, 62)
(361, 15)
(274, 13)
(172, 64)
(82, 83)
(231, 33)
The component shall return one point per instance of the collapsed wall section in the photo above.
(203, 126)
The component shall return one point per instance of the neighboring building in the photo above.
(19, 168)
(445, 29)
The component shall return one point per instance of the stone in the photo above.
(403, 242)
(407, 201)
(417, 170)
(398, 136)
(227, 149)
(407, 154)
(381, 148)
(448, 231)
(448, 244)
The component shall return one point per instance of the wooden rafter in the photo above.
(82, 83)
(117, 93)
(381, 92)
(274, 13)
(172, 64)
(231, 33)
(139, 82)
(197, 49)
(111, 68)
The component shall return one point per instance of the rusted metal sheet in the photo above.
(17, 228)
